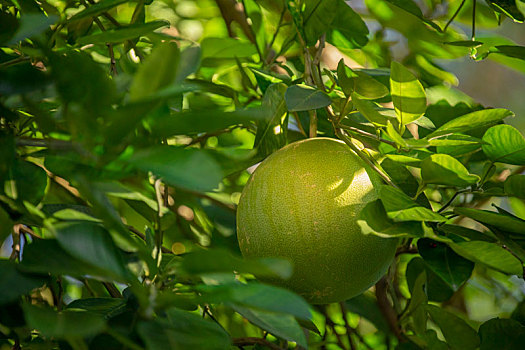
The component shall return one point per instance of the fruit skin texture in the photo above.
(302, 204)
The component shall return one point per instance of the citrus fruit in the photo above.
(302, 204)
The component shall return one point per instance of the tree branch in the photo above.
(247, 341)
(386, 309)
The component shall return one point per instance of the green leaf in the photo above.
(31, 25)
(272, 130)
(470, 121)
(91, 243)
(258, 296)
(191, 169)
(394, 135)
(507, 7)
(368, 88)
(28, 182)
(369, 111)
(501, 334)
(281, 325)
(400, 207)
(183, 330)
(195, 122)
(515, 186)
(408, 95)
(458, 334)
(365, 305)
(107, 307)
(442, 169)
(96, 9)
(505, 144)
(120, 34)
(229, 48)
(14, 283)
(347, 29)
(374, 220)
(456, 144)
(504, 222)
(412, 8)
(65, 324)
(6, 226)
(47, 256)
(305, 98)
(489, 254)
(158, 71)
(217, 260)
(513, 51)
(464, 43)
(449, 266)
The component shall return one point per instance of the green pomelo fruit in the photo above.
(302, 204)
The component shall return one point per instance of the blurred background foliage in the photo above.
(126, 132)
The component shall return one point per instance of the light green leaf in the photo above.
(400, 207)
(191, 169)
(229, 48)
(504, 222)
(470, 121)
(442, 169)
(394, 135)
(120, 34)
(65, 324)
(368, 88)
(489, 254)
(458, 334)
(369, 111)
(504, 144)
(408, 95)
(515, 186)
(305, 98)
(281, 325)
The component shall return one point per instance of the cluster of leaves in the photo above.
(124, 144)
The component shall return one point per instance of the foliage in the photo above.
(126, 129)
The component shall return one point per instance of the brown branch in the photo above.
(349, 330)
(386, 308)
(247, 341)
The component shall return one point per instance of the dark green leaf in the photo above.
(183, 330)
(32, 24)
(28, 182)
(408, 95)
(510, 50)
(365, 305)
(121, 34)
(280, 325)
(504, 222)
(272, 130)
(515, 186)
(442, 169)
(501, 334)
(91, 243)
(412, 8)
(158, 71)
(257, 296)
(347, 30)
(507, 7)
(470, 121)
(65, 324)
(505, 144)
(14, 283)
(96, 9)
(305, 98)
(107, 307)
(464, 43)
(489, 254)
(190, 169)
(21, 79)
(442, 260)
(458, 333)
(369, 111)
(212, 261)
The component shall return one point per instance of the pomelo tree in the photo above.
(128, 130)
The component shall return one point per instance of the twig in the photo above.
(158, 228)
(349, 330)
(474, 20)
(386, 309)
(213, 200)
(331, 323)
(449, 202)
(339, 132)
(454, 15)
(112, 290)
(406, 250)
(247, 341)
(15, 61)
(143, 237)
(367, 134)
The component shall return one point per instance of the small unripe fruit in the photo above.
(302, 203)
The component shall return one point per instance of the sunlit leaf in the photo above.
(407, 93)
(505, 144)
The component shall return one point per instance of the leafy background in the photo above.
(126, 129)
